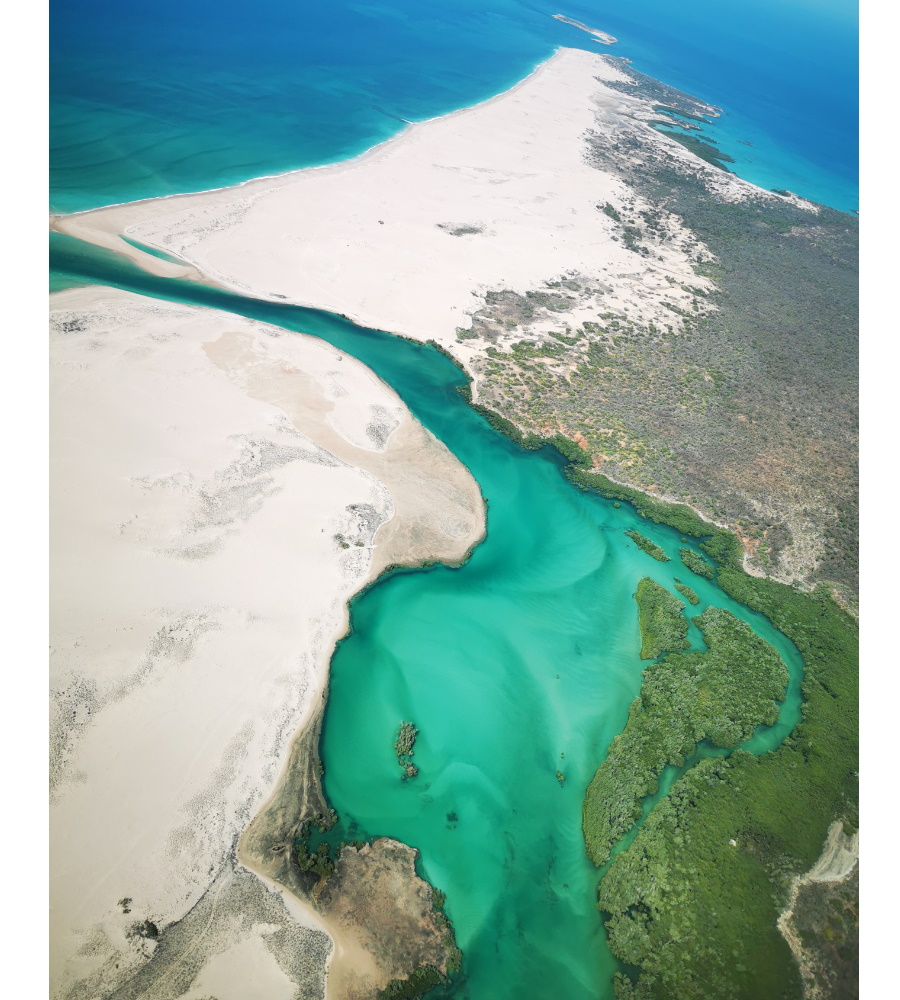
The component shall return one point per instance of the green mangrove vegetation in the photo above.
(721, 695)
(718, 543)
(425, 978)
(699, 146)
(649, 547)
(692, 902)
(686, 592)
(696, 564)
(678, 515)
(663, 627)
(318, 862)
(404, 748)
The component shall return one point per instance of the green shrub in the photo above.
(425, 978)
(404, 748)
(649, 547)
(687, 593)
(692, 903)
(696, 564)
(721, 695)
(663, 627)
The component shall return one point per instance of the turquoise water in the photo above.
(521, 662)
(153, 251)
(184, 95)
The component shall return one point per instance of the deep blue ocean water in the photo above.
(153, 98)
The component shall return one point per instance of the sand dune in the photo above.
(202, 467)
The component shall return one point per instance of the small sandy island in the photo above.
(601, 37)
(220, 489)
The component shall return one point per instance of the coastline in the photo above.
(111, 221)
(230, 357)
(276, 820)
(183, 501)
(461, 196)
(358, 157)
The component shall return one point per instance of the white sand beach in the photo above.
(410, 235)
(220, 489)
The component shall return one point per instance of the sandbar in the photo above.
(410, 236)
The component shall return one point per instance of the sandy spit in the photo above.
(409, 236)
(220, 489)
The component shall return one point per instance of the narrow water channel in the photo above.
(515, 666)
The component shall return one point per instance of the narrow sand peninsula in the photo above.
(220, 489)
(409, 236)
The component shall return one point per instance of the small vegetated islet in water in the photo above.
(649, 547)
(687, 592)
(696, 564)
(404, 748)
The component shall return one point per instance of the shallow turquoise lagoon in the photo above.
(519, 663)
